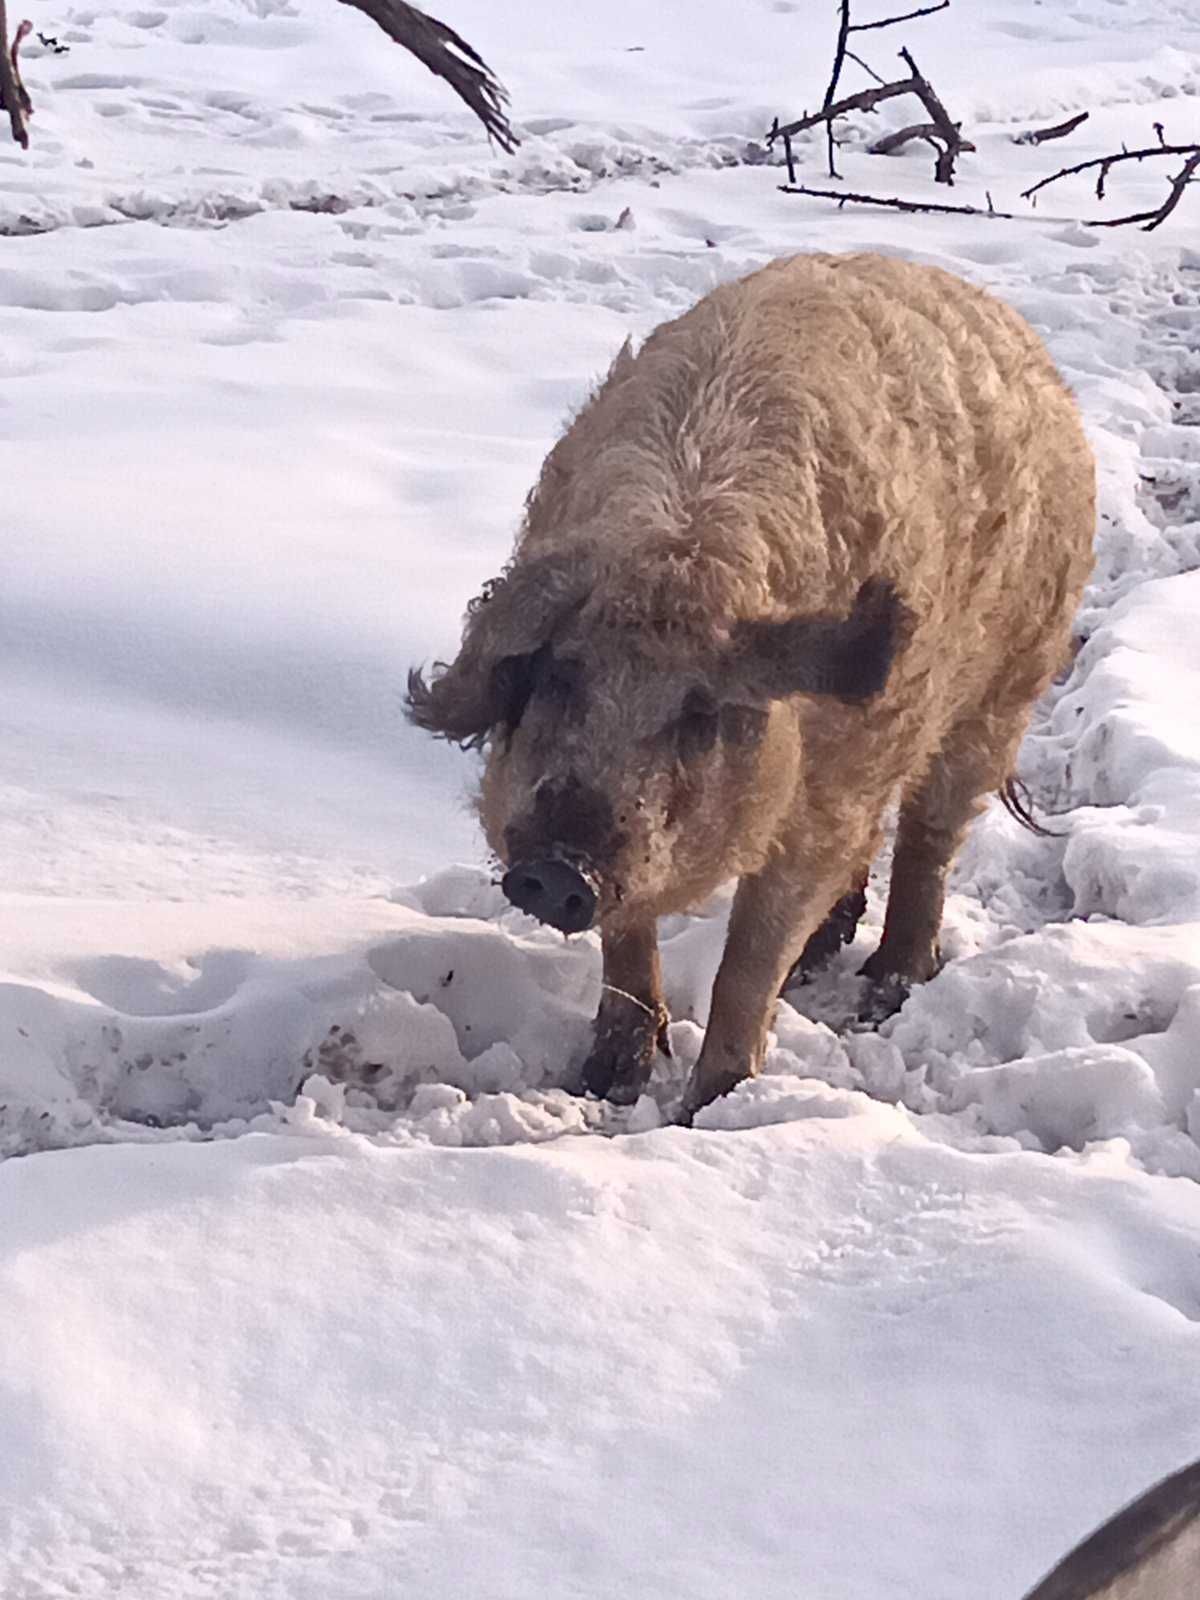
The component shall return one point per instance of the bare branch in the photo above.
(859, 62)
(1058, 131)
(867, 99)
(864, 100)
(1154, 219)
(887, 22)
(1105, 162)
(839, 61)
(895, 205)
(449, 57)
(13, 97)
(902, 136)
(772, 134)
(947, 128)
(789, 157)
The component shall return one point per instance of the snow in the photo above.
(319, 1276)
(653, 1366)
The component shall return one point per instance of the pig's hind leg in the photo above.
(838, 929)
(975, 759)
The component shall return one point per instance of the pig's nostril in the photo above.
(554, 892)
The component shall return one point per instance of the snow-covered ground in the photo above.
(282, 343)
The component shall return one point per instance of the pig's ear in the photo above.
(486, 688)
(846, 657)
(465, 702)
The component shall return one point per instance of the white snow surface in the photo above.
(318, 1278)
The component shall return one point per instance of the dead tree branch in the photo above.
(949, 131)
(1104, 163)
(13, 97)
(1058, 131)
(902, 136)
(1154, 219)
(859, 62)
(773, 133)
(887, 22)
(893, 204)
(839, 61)
(864, 100)
(841, 54)
(449, 56)
(941, 132)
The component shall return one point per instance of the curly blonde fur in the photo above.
(827, 421)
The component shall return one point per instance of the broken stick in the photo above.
(894, 204)
(1058, 131)
(1106, 162)
(1155, 219)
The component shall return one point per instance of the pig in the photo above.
(815, 547)
(1148, 1551)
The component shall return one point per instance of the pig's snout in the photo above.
(553, 891)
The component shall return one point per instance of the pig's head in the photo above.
(630, 770)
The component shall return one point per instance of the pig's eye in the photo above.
(559, 682)
(697, 725)
(511, 686)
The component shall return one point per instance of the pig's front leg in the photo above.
(773, 915)
(632, 1020)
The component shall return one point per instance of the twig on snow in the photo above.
(859, 62)
(896, 205)
(773, 133)
(887, 22)
(942, 132)
(1058, 131)
(13, 97)
(1106, 162)
(839, 61)
(949, 131)
(902, 136)
(1154, 219)
(449, 57)
(841, 54)
(789, 157)
(864, 100)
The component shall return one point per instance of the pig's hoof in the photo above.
(702, 1091)
(616, 1075)
(882, 1000)
(892, 982)
(839, 928)
(622, 1056)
